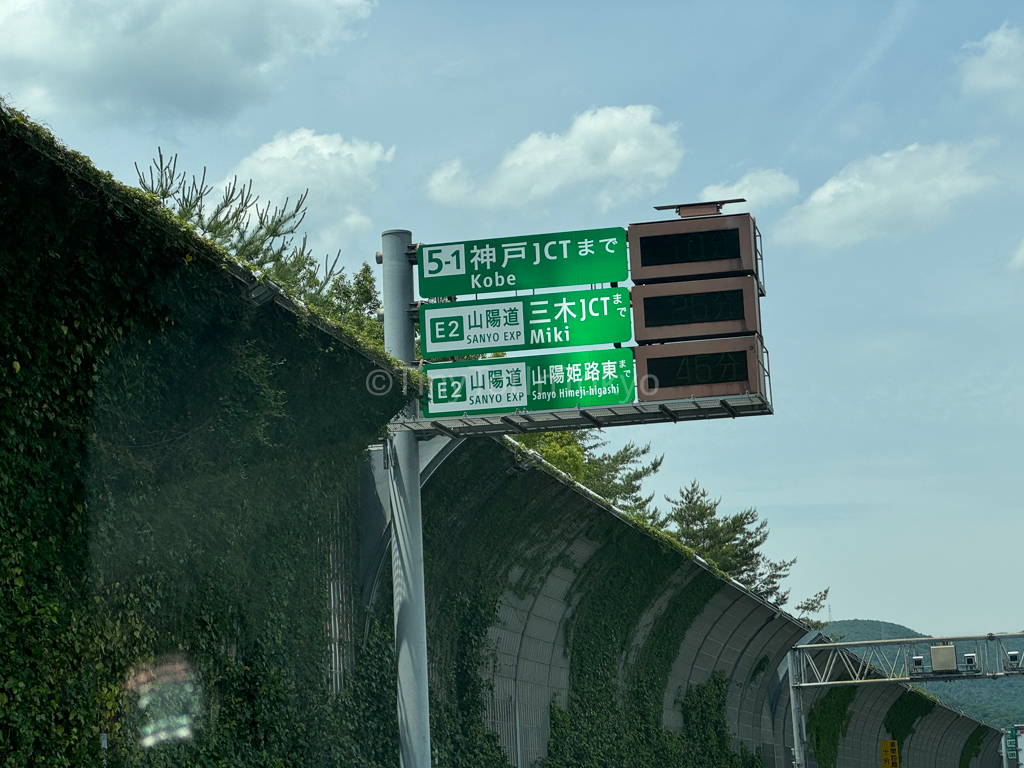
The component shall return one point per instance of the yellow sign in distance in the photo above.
(890, 754)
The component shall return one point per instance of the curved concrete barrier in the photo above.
(537, 572)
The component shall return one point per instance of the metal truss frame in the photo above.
(830, 665)
(693, 409)
(822, 665)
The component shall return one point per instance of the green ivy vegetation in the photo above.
(827, 721)
(480, 524)
(758, 670)
(60, 310)
(173, 460)
(611, 722)
(904, 714)
(972, 747)
(210, 493)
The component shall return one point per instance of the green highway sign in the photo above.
(535, 383)
(586, 257)
(541, 321)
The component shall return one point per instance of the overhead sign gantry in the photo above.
(699, 355)
(693, 311)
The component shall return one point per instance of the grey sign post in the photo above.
(407, 522)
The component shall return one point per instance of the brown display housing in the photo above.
(755, 383)
(745, 264)
(751, 322)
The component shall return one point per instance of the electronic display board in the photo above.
(709, 368)
(690, 308)
(696, 309)
(686, 249)
(692, 370)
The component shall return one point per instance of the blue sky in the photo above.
(877, 144)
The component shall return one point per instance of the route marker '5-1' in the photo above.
(585, 257)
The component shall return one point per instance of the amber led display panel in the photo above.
(711, 368)
(688, 248)
(696, 308)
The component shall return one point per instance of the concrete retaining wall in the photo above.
(485, 483)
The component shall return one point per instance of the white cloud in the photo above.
(1017, 260)
(609, 154)
(885, 195)
(996, 68)
(339, 174)
(760, 187)
(191, 57)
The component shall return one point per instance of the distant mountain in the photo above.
(997, 702)
(853, 630)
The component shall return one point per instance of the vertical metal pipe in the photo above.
(399, 339)
(796, 713)
(407, 522)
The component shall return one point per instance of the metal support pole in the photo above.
(796, 714)
(407, 523)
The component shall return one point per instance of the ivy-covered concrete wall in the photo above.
(928, 732)
(592, 620)
(607, 645)
(177, 481)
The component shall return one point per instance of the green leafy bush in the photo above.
(972, 747)
(904, 713)
(610, 722)
(827, 721)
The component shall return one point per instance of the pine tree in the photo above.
(733, 543)
(263, 238)
(617, 476)
(812, 605)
